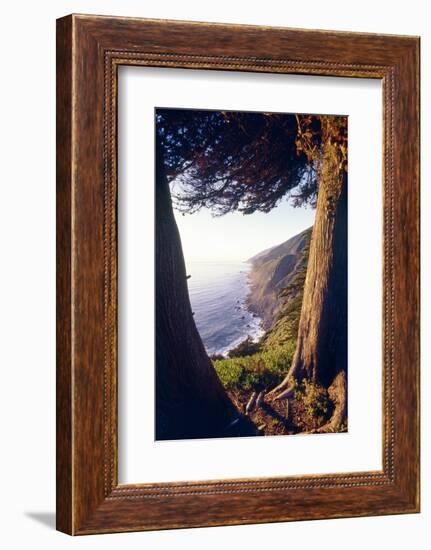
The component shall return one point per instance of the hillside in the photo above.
(291, 246)
(277, 276)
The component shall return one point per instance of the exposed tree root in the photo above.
(260, 399)
(251, 403)
(338, 394)
(285, 386)
(286, 393)
(283, 390)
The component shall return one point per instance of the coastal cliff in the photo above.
(276, 280)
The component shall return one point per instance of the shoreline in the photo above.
(257, 332)
(219, 294)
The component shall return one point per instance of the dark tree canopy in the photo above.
(242, 161)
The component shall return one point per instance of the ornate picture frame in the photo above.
(89, 51)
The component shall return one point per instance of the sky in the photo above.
(237, 237)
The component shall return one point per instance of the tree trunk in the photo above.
(190, 399)
(321, 351)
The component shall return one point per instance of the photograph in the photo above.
(250, 273)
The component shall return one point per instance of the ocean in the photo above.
(218, 292)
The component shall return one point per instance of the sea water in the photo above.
(218, 292)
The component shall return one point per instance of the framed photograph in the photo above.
(237, 274)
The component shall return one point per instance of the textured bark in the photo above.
(338, 394)
(321, 351)
(190, 399)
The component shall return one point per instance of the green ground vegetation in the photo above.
(262, 365)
